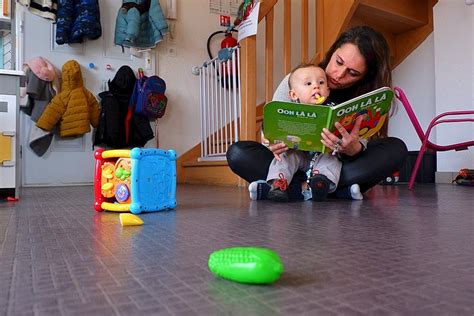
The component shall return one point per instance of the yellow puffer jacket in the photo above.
(75, 108)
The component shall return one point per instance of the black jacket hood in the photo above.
(123, 82)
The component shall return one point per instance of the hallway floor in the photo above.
(395, 253)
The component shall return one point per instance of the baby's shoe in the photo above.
(319, 185)
(279, 190)
(259, 190)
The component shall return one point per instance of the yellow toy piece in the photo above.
(116, 153)
(107, 187)
(115, 207)
(127, 219)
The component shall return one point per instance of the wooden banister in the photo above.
(287, 35)
(265, 7)
(304, 30)
(269, 55)
(249, 60)
(248, 66)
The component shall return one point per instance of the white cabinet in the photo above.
(9, 127)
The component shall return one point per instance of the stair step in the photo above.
(195, 163)
(208, 172)
(393, 16)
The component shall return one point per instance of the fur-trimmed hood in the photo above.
(42, 68)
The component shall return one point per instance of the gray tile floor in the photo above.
(395, 253)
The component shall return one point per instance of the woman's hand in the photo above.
(276, 149)
(349, 143)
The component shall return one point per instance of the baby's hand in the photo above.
(276, 149)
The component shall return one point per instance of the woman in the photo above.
(358, 62)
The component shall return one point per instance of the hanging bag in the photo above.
(151, 100)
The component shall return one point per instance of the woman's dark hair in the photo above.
(374, 48)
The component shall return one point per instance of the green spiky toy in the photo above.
(252, 265)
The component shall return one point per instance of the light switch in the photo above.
(148, 60)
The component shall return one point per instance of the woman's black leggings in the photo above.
(250, 160)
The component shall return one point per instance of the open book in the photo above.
(300, 125)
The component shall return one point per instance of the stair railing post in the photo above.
(248, 64)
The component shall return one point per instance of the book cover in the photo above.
(300, 125)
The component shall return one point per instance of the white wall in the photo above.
(179, 129)
(415, 75)
(454, 73)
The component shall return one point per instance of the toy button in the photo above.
(122, 193)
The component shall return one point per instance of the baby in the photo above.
(308, 84)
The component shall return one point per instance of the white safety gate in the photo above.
(220, 104)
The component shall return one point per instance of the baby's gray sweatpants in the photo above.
(294, 160)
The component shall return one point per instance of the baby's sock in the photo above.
(351, 193)
(355, 192)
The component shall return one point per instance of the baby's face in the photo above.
(308, 85)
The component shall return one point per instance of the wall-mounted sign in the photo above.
(224, 7)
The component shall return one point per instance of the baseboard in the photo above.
(444, 176)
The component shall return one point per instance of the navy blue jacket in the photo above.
(76, 20)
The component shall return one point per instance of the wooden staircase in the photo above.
(404, 23)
